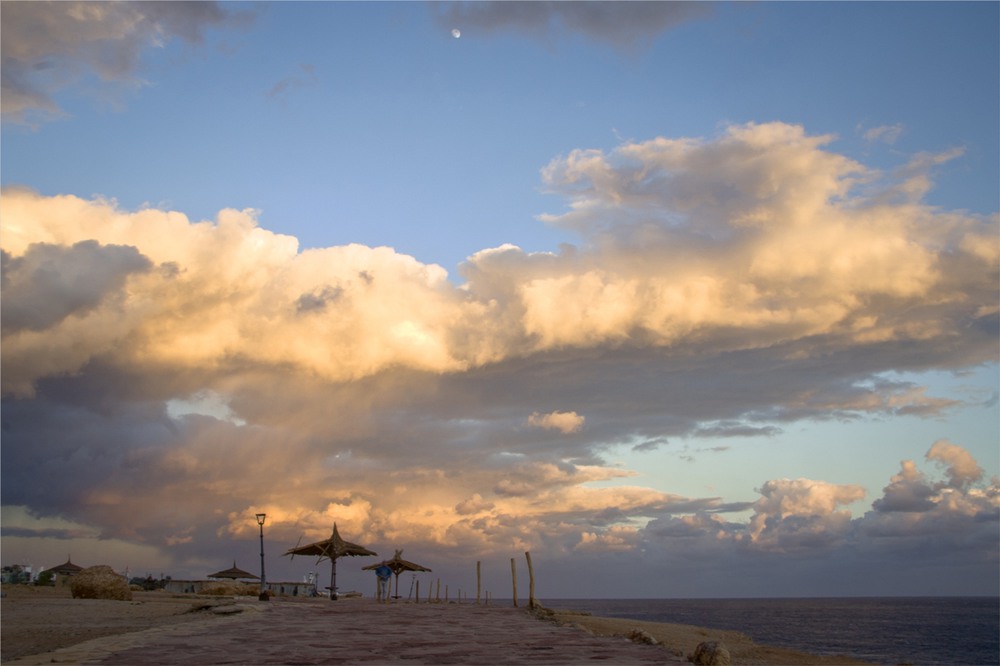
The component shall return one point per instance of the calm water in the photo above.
(923, 631)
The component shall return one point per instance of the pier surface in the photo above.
(362, 632)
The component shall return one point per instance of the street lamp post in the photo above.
(263, 580)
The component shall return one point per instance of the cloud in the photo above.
(961, 469)
(564, 422)
(920, 514)
(801, 513)
(916, 517)
(883, 133)
(906, 492)
(165, 378)
(51, 46)
(621, 24)
(306, 78)
(736, 429)
(50, 282)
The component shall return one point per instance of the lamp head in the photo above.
(260, 519)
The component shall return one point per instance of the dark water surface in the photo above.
(923, 631)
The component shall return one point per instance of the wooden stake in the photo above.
(531, 582)
(437, 597)
(479, 578)
(513, 576)
(416, 599)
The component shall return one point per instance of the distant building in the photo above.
(289, 589)
(16, 573)
(64, 572)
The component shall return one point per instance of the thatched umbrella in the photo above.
(398, 566)
(66, 569)
(332, 548)
(234, 573)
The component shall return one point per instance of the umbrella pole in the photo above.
(333, 579)
(397, 586)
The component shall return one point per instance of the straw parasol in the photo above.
(234, 573)
(67, 568)
(332, 548)
(64, 571)
(398, 566)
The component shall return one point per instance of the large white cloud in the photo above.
(730, 284)
(746, 241)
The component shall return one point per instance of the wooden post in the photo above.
(531, 582)
(437, 597)
(479, 578)
(513, 577)
(416, 599)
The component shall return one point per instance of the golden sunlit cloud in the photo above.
(751, 279)
(564, 422)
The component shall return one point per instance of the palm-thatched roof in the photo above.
(331, 548)
(233, 573)
(397, 564)
(66, 569)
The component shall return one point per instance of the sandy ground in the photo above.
(34, 619)
(35, 622)
(682, 639)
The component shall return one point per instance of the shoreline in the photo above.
(682, 639)
(42, 625)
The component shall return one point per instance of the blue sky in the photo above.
(615, 282)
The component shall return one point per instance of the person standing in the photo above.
(384, 573)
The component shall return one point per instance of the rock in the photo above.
(100, 582)
(711, 653)
(640, 636)
(229, 609)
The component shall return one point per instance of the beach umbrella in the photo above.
(233, 573)
(398, 566)
(67, 568)
(333, 548)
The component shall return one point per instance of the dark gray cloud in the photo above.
(737, 429)
(318, 300)
(51, 282)
(49, 46)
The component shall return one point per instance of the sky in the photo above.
(686, 300)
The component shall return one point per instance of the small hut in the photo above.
(234, 573)
(63, 572)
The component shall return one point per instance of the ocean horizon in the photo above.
(915, 630)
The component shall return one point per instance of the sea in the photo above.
(922, 631)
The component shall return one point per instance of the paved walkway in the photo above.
(364, 632)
